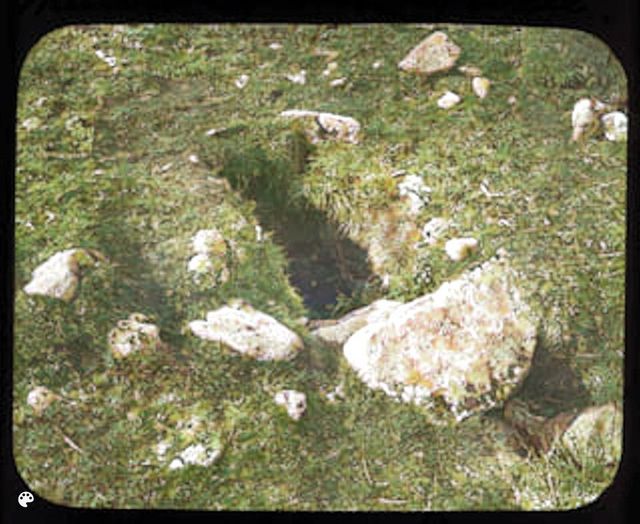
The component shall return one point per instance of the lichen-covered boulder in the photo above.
(595, 435)
(133, 335)
(435, 53)
(338, 332)
(458, 351)
(59, 276)
(341, 128)
(248, 331)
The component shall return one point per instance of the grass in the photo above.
(107, 165)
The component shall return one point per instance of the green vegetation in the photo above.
(104, 163)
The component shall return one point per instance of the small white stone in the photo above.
(194, 159)
(295, 402)
(582, 116)
(258, 233)
(176, 463)
(512, 100)
(480, 86)
(377, 64)
(31, 123)
(448, 100)
(434, 229)
(242, 81)
(133, 335)
(161, 448)
(298, 78)
(615, 126)
(40, 398)
(207, 241)
(198, 455)
(275, 46)
(338, 82)
(458, 248)
(331, 67)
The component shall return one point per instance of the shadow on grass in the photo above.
(323, 263)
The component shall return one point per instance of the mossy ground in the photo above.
(105, 163)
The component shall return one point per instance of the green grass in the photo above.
(93, 173)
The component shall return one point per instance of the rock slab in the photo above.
(248, 331)
(458, 351)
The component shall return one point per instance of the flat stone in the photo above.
(458, 351)
(339, 332)
(250, 332)
(435, 53)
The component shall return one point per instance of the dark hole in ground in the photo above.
(323, 263)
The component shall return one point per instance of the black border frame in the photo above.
(614, 21)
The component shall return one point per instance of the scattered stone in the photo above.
(336, 394)
(298, 78)
(293, 401)
(470, 70)
(434, 229)
(615, 126)
(435, 53)
(200, 264)
(340, 331)
(416, 191)
(377, 64)
(331, 67)
(584, 115)
(595, 435)
(458, 351)
(209, 242)
(480, 86)
(459, 248)
(242, 81)
(59, 276)
(338, 82)
(215, 131)
(342, 128)
(31, 123)
(512, 100)
(248, 331)
(448, 100)
(40, 398)
(194, 159)
(275, 46)
(133, 335)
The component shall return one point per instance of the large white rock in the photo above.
(458, 351)
(248, 331)
(59, 276)
(435, 53)
(339, 332)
